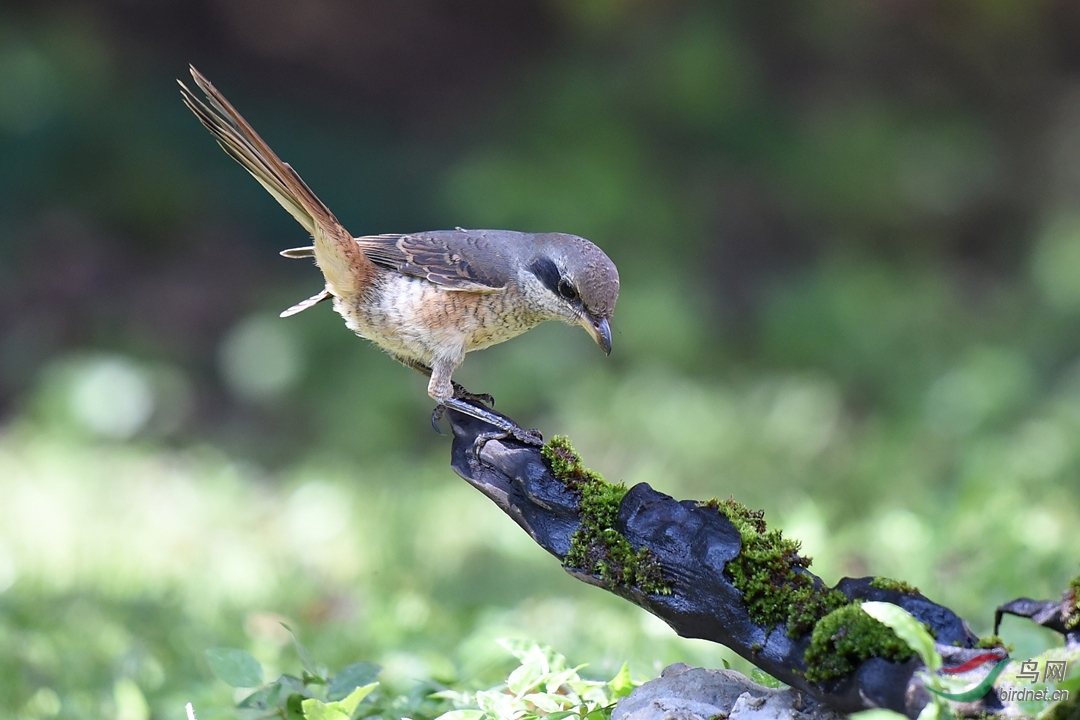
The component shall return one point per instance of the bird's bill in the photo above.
(598, 330)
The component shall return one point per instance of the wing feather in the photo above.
(442, 257)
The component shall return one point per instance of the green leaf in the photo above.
(499, 704)
(521, 649)
(351, 677)
(877, 714)
(548, 702)
(318, 710)
(129, 699)
(934, 711)
(306, 661)
(294, 685)
(454, 696)
(275, 694)
(462, 715)
(621, 685)
(556, 680)
(348, 704)
(341, 710)
(908, 629)
(765, 679)
(294, 707)
(261, 699)
(525, 677)
(235, 667)
(560, 715)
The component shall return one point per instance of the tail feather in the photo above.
(298, 253)
(303, 305)
(348, 271)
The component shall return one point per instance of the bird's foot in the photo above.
(474, 398)
(504, 426)
(522, 435)
(460, 393)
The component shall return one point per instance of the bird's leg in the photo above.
(440, 410)
(459, 391)
(445, 392)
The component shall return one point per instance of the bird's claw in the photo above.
(479, 400)
(473, 398)
(528, 437)
(436, 415)
(503, 427)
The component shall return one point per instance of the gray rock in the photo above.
(685, 693)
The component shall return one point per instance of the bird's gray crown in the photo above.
(576, 269)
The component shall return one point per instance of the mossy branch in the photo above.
(598, 547)
(715, 570)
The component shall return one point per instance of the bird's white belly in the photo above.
(417, 320)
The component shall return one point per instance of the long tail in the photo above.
(347, 270)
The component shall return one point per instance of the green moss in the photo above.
(846, 637)
(767, 572)
(883, 583)
(597, 547)
(991, 642)
(1070, 607)
(564, 461)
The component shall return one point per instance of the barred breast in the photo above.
(416, 319)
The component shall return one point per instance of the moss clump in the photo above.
(767, 573)
(846, 637)
(1070, 605)
(992, 642)
(770, 574)
(597, 547)
(882, 583)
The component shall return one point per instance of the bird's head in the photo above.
(570, 279)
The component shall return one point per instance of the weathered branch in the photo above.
(685, 553)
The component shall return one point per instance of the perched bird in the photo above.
(428, 298)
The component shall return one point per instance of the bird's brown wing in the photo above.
(347, 270)
(463, 260)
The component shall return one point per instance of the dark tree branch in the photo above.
(692, 543)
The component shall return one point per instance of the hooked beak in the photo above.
(598, 330)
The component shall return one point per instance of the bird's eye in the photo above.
(567, 290)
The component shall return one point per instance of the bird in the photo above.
(429, 298)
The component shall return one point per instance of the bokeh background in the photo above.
(849, 239)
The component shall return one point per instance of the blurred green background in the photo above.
(849, 240)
